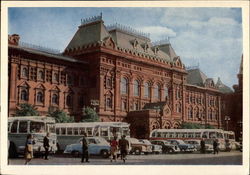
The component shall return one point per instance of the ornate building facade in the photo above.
(118, 71)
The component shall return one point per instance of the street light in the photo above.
(227, 119)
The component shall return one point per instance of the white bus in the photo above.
(37, 126)
(187, 134)
(69, 133)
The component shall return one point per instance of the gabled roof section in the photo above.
(168, 49)
(91, 31)
(196, 77)
(222, 87)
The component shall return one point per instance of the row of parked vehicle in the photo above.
(99, 146)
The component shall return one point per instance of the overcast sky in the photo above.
(208, 37)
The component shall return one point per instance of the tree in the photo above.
(26, 110)
(60, 116)
(186, 125)
(89, 115)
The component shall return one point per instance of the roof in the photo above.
(196, 77)
(157, 105)
(222, 87)
(47, 54)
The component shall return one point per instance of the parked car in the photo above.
(157, 149)
(166, 146)
(183, 146)
(197, 145)
(138, 147)
(97, 146)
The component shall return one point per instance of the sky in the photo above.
(210, 38)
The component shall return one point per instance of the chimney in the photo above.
(13, 39)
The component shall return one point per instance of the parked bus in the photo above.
(208, 134)
(69, 133)
(37, 126)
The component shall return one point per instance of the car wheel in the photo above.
(75, 153)
(104, 153)
(137, 151)
(170, 151)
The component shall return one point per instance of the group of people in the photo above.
(115, 145)
(215, 146)
(28, 152)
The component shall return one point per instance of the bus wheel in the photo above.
(104, 153)
(12, 150)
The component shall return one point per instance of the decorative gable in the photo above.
(55, 88)
(40, 86)
(24, 84)
(177, 62)
(109, 43)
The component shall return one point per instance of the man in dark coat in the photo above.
(85, 152)
(123, 145)
(203, 148)
(215, 146)
(46, 146)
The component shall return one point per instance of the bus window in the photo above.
(170, 135)
(23, 127)
(219, 135)
(37, 127)
(57, 131)
(231, 136)
(184, 135)
(81, 130)
(212, 135)
(89, 132)
(190, 135)
(158, 134)
(204, 135)
(75, 131)
(14, 127)
(104, 131)
(197, 135)
(51, 128)
(69, 131)
(63, 131)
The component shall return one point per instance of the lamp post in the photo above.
(227, 119)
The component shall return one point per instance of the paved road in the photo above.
(223, 158)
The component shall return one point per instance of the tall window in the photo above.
(124, 105)
(124, 86)
(157, 92)
(24, 95)
(40, 75)
(108, 102)
(136, 88)
(25, 72)
(39, 97)
(56, 77)
(166, 92)
(190, 113)
(69, 100)
(146, 90)
(55, 99)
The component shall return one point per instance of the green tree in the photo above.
(89, 115)
(60, 116)
(26, 110)
(186, 125)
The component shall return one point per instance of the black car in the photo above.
(166, 146)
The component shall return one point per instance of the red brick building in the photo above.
(127, 76)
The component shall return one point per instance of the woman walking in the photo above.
(28, 149)
(114, 149)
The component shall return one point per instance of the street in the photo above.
(223, 158)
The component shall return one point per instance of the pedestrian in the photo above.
(46, 146)
(203, 148)
(114, 149)
(85, 152)
(28, 152)
(215, 147)
(123, 145)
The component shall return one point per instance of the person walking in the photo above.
(123, 145)
(114, 149)
(215, 147)
(46, 146)
(28, 152)
(203, 148)
(85, 152)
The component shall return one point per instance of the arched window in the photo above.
(40, 75)
(25, 72)
(39, 97)
(109, 102)
(24, 95)
(124, 86)
(56, 77)
(69, 100)
(166, 92)
(157, 92)
(136, 88)
(190, 113)
(146, 90)
(55, 99)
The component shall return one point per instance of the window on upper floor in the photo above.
(39, 97)
(24, 95)
(136, 88)
(25, 72)
(124, 86)
(40, 75)
(69, 100)
(147, 91)
(55, 99)
(157, 92)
